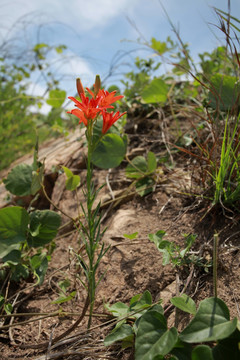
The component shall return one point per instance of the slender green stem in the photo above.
(91, 230)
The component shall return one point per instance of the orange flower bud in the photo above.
(97, 85)
(80, 88)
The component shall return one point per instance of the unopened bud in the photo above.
(97, 85)
(80, 88)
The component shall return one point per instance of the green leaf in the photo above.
(19, 180)
(13, 228)
(166, 257)
(137, 168)
(39, 264)
(151, 162)
(145, 186)
(63, 299)
(182, 67)
(109, 152)
(228, 348)
(124, 332)
(20, 272)
(134, 299)
(59, 49)
(210, 323)
(37, 179)
(227, 88)
(56, 98)
(8, 308)
(155, 92)
(44, 226)
(36, 260)
(157, 237)
(181, 351)
(160, 47)
(97, 131)
(164, 246)
(13, 258)
(201, 352)
(64, 285)
(189, 240)
(143, 302)
(153, 338)
(131, 236)
(114, 88)
(119, 309)
(68, 172)
(184, 303)
(40, 46)
(73, 181)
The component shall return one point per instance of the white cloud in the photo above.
(69, 68)
(73, 66)
(95, 13)
(80, 14)
(67, 71)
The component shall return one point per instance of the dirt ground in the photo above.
(130, 267)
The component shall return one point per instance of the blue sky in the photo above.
(94, 30)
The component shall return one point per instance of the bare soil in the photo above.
(130, 266)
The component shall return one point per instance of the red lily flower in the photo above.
(88, 109)
(109, 119)
(80, 115)
(108, 98)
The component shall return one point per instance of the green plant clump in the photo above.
(210, 335)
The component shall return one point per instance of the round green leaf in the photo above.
(56, 98)
(228, 348)
(13, 228)
(123, 332)
(109, 152)
(184, 303)
(155, 92)
(153, 338)
(97, 130)
(202, 352)
(225, 91)
(137, 168)
(13, 258)
(19, 180)
(73, 182)
(210, 323)
(118, 309)
(44, 226)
